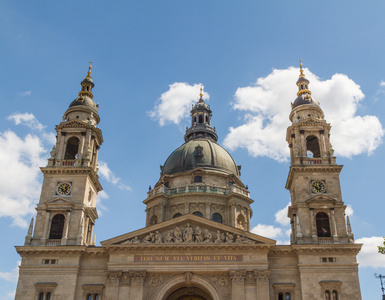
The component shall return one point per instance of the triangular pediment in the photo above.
(320, 199)
(188, 229)
(59, 202)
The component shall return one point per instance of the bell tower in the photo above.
(317, 211)
(66, 212)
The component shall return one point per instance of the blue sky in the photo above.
(150, 55)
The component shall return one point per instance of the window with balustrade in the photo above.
(323, 224)
(72, 148)
(57, 226)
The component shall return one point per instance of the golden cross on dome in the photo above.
(201, 94)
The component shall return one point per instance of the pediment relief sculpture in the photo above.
(189, 234)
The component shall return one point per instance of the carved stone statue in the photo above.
(158, 238)
(220, 237)
(53, 152)
(229, 238)
(178, 235)
(198, 235)
(148, 238)
(169, 237)
(188, 234)
(208, 238)
(135, 240)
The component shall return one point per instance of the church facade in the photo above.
(197, 243)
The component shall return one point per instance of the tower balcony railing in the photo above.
(325, 240)
(68, 162)
(198, 189)
(315, 161)
(52, 242)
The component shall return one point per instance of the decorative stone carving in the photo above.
(262, 276)
(250, 278)
(125, 280)
(238, 277)
(198, 235)
(113, 278)
(222, 282)
(190, 235)
(137, 277)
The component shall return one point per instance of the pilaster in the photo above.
(238, 284)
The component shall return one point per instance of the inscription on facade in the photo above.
(187, 258)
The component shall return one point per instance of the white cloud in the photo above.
(26, 119)
(102, 195)
(25, 94)
(267, 107)
(20, 160)
(30, 121)
(382, 83)
(268, 231)
(175, 104)
(107, 174)
(349, 210)
(12, 275)
(369, 256)
(281, 216)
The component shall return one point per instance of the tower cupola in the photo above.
(200, 122)
(304, 94)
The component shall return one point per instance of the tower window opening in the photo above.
(177, 215)
(72, 148)
(323, 225)
(195, 119)
(287, 296)
(200, 119)
(198, 179)
(216, 218)
(198, 213)
(312, 145)
(335, 295)
(207, 120)
(327, 295)
(57, 226)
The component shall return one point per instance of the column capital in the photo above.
(238, 277)
(113, 277)
(262, 276)
(137, 277)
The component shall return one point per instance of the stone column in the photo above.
(334, 226)
(81, 146)
(208, 211)
(125, 285)
(137, 280)
(248, 219)
(238, 284)
(251, 288)
(262, 278)
(323, 144)
(112, 287)
(313, 227)
(66, 226)
(60, 154)
(44, 238)
(187, 208)
(303, 143)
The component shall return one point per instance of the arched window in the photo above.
(323, 225)
(241, 222)
(48, 296)
(312, 145)
(280, 296)
(216, 218)
(195, 119)
(57, 225)
(89, 297)
(198, 179)
(72, 148)
(153, 220)
(200, 119)
(335, 295)
(41, 296)
(207, 120)
(198, 213)
(177, 215)
(327, 295)
(287, 296)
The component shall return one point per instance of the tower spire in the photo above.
(303, 83)
(87, 84)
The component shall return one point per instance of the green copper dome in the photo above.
(200, 153)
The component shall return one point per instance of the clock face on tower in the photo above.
(318, 187)
(64, 189)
